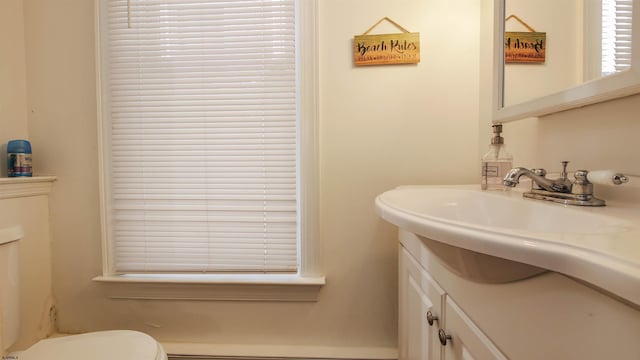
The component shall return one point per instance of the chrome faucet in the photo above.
(561, 185)
(560, 190)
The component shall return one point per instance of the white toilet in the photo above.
(101, 345)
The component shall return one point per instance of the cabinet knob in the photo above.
(443, 337)
(431, 318)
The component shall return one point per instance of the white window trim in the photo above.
(260, 287)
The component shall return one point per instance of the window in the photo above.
(616, 36)
(208, 118)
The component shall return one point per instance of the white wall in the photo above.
(380, 127)
(13, 91)
(601, 136)
(31, 212)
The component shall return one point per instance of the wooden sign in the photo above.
(386, 49)
(525, 47)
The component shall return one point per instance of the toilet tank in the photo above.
(9, 285)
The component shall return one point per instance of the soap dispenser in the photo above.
(496, 163)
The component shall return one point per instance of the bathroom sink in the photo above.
(600, 246)
(494, 211)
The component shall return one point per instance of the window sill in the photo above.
(212, 287)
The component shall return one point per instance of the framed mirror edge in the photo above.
(607, 88)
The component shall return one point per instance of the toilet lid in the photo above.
(101, 345)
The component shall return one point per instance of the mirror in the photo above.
(574, 72)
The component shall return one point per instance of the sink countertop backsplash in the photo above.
(628, 193)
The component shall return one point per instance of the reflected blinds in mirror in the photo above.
(616, 36)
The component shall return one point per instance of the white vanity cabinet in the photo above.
(420, 312)
(428, 316)
(467, 341)
(514, 278)
(549, 316)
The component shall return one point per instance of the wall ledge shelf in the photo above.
(17, 187)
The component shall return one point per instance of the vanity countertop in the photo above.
(598, 245)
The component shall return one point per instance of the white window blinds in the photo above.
(200, 113)
(616, 35)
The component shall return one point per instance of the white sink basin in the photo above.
(495, 211)
(598, 245)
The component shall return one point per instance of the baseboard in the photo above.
(194, 357)
(186, 351)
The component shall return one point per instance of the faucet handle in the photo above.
(582, 186)
(563, 174)
(607, 177)
(581, 176)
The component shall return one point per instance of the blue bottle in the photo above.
(19, 158)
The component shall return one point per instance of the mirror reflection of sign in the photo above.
(525, 47)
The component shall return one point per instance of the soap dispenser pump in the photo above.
(496, 163)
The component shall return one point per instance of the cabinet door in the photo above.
(467, 341)
(418, 294)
